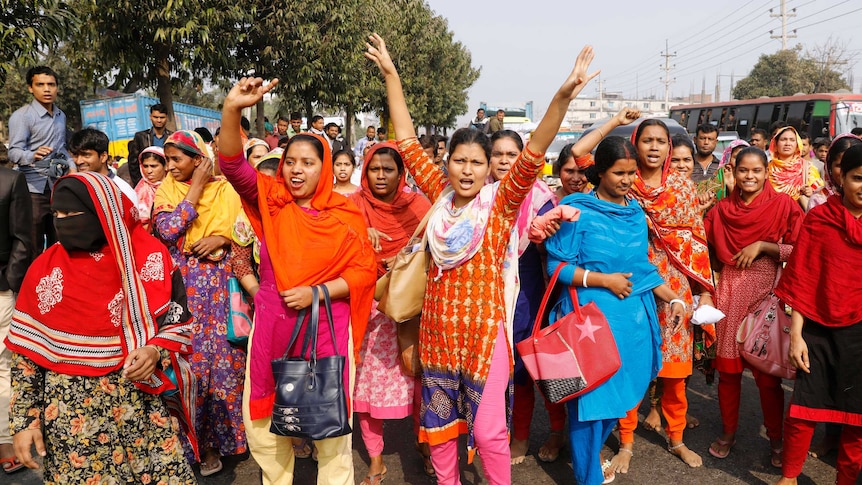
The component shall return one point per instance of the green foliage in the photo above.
(26, 26)
(786, 73)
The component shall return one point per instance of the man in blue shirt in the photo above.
(37, 131)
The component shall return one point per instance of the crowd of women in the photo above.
(123, 370)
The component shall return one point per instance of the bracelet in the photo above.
(600, 132)
(677, 300)
(584, 281)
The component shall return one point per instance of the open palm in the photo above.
(248, 91)
(579, 77)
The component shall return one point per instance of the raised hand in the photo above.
(377, 52)
(579, 77)
(247, 92)
(627, 116)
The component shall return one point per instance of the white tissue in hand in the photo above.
(706, 314)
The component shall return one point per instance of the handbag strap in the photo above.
(300, 317)
(422, 224)
(310, 343)
(572, 293)
(328, 309)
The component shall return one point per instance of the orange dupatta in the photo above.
(311, 249)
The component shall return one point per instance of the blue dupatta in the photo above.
(611, 238)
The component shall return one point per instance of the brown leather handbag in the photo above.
(408, 347)
(404, 290)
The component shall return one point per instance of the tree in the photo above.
(26, 26)
(786, 73)
(146, 43)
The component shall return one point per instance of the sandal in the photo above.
(608, 478)
(208, 469)
(422, 449)
(11, 465)
(375, 479)
(303, 449)
(722, 443)
(775, 457)
(548, 453)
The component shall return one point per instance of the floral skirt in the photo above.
(103, 430)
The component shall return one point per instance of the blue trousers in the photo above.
(586, 439)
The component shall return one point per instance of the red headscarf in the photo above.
(311, 249)
(397, 219)
(819, 281)
(732, 225)
(672, 216)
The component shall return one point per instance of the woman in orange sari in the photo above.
(677, 246)
(789, 173)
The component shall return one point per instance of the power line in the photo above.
(827, 20)
(799, 19)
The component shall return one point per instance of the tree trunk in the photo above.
(309, 112)
(258, 122)
(163, 83)
(348, 125)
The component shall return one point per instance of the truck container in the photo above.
(120, 117)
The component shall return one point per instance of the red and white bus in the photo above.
(826, 114)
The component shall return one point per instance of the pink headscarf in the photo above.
(145, 189)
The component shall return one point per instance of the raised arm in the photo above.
(588, 142)
(398, 112)
(574, 84)
(427, 175)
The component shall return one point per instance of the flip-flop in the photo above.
(205, 472)
(608, 478)
(11, 465)
(722, 443)
(375, 479)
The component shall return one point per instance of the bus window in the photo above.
(745, 118)
(806, 119)
(793, 115)
(776, 113)
(764, 116)
(716, 117)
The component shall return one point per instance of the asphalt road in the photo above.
(748, 463)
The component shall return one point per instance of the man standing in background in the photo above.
(153, 136)
(37, 134)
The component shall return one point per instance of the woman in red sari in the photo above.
(677, 247)
(826, 327)
(751, 233)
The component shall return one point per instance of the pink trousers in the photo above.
(489, 428)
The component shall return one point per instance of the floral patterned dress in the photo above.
(99, 430)
(218, 365)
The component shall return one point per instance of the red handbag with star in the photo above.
(572, 356)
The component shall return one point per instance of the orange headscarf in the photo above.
(311, 249)
(397, 219)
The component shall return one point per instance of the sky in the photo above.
(526, 48)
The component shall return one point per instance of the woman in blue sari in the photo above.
(605, 253)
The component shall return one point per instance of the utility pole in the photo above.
(667, 68)
(601, 97)
(784, 16)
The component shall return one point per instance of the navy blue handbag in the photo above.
(310, 398)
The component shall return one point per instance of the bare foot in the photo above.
(653, 420)
(621, 461)
(691, 421)
(786, 481)
(550, 451)
(518, 449)
(690, 458)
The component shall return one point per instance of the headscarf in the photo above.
(728, 151)
(672, 216)
(791, 176)
(251, 143)
(538, 196)
(397, 219)
(732, 224)
(146, 190)
(311, 247)
(133, 287)
(217, 206)
(819, 281)
(243, 233)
